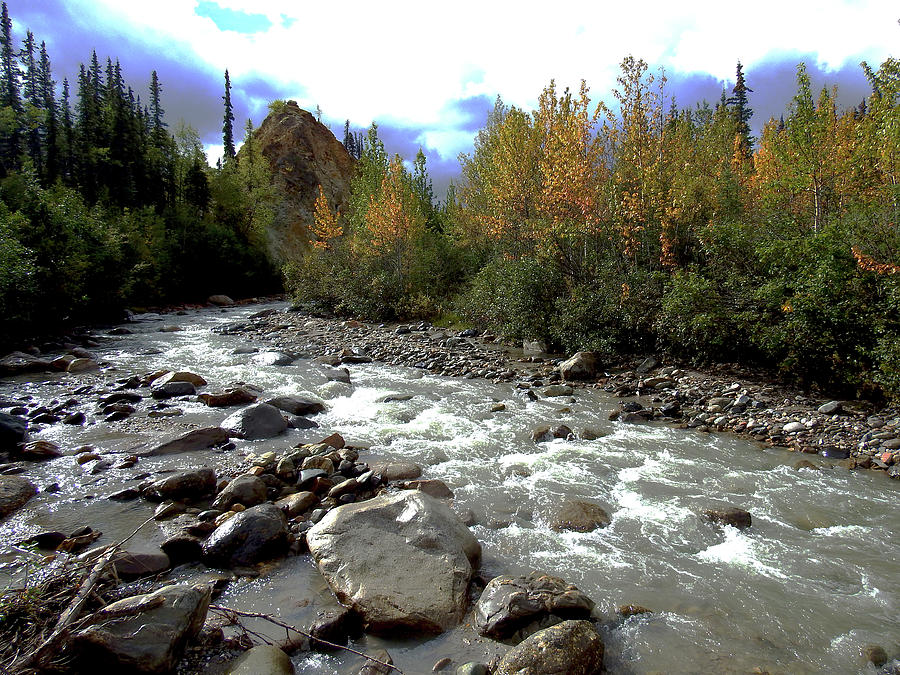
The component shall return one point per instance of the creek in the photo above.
(813, 580)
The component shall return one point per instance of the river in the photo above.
(813, 580)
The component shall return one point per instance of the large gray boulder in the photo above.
(12, 431)
(247, 490)
(510, 604)
(569, 648)
(256, 422)
(257, 534)
(262, 660)
(580, 366)
(297, 405)
(15, 491)
(182, 485)
(402, 561)
(144, 633)
(198, 439)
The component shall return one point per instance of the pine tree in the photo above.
(48, 96)
(10, 101)
(156, 111)
(348, 137)
(228, 126)
(740, 105)
(34, 105)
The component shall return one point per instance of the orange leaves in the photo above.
(325, 224)
(393, 216)
(869, 264)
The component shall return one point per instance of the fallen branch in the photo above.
(232, 614)
(60, 630)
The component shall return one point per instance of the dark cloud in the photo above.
(473, 111)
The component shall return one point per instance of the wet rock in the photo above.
(558, 390)
(257, 534)
(805, 464)
(75, 419)
(179, 376)
(82, 366)
(132, 565)
(646, 365)
(171, 329)
(172, 389)
(182, 548)
(729, 516)
(341, 375)
(295, 504)
(220, 300)
(145, 633)
(169, 509)
(372, 668)
(472, 668)
(245, 489)
(256, 422)
(509, 604)
(198, 439)
(185, 484)
(581, 366)
(393, 471)
(15, 491)
(337, 626)
(296, 405)
(577, 515)
(318, 462)
(12, 431)
(274, 359)
(402, 561)
(831, 408)
(626, 611)
(38, 451)
(228, 398)
(534, 347)
(831, 452)
(875, 655)
(397, 398)
(545, 433)
(17, 363)
(436, 488)
(47, 541)
(570, 648)
(262, 660)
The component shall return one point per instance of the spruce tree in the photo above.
(34, 104)
(10, 102)
(228, 126)
(48, 95)
(740, 105)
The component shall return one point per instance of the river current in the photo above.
(813, 580)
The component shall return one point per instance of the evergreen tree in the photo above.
(10, 102)
(156, 111)
(348, 137)
(740, 105)
(228, 126)
(48, 96)
(35, 127)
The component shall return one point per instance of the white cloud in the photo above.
(406, 60)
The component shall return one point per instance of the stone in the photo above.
(256, 422)
(534, 347)
(793, 427)
(558, 390)
(296, 405)
(297, 503)
(38, 451)
(831, 408)
(392, 471)
(257, 534)
(144, 633)
(228, 398)
(246, 489)
(875, 654)
(509, 604)
(220, 300)
(570, 648)
(577, 515)
(274, 359)
(12, 431)
(402, 561)
(262, 660)
(646, 365)
(373, 668)
(735, 517)
(181, 485)
(15, 491)
(545, 433)
(182, 548)
(626, 611)
(172, 389)
(472, 668)
(82, 366)
(179, 376)
(805, 464)
(334, 625)
(436, 488)
(18, 363)
(580, 366)
(335, 441)
(336, 374)
(132, 565)
(169, 509)
(192, 441)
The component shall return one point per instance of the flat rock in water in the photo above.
(257, 534)
(82, 365)
(171, 389)
(227, 398)
(198, 439)
(569, 648)
(145, 633)
(184, 484)
(509, 604)
(15, 491)
(131, 565)
(558, 390)
(297, 405)
(391, 471)
(402, 561)
(733, 516)
(436, 488)
(274, 359)
(262, 660)
(12, 431)
(256, 422)
(577, 515)
(180, 376)
(16, 363)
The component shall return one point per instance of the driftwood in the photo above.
(61, 630)
(233, 614)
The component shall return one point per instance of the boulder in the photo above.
(198, 439)
(82, 365)
(831, 408)
(297, 503)
(509, 604)
(402, 561)
(390, 471)
(729, 516)
(558, 390)
(15, 491)
(435, 488)
(247, 490)
(17, 363)
(171, 389)
(12, 431)
(580, 366)
(220, 300)
(534, 347)
(131, 565)
(297, 405)
(180, 376)
(256, 422)
(257, 534)
(183, 485)
(577, 515)
(38, 451)
(227, 398)
(262, 660)
(143, 633)
(569, 648)
(274, 359)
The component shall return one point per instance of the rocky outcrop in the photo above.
(144, 633)
(302, 154)
(402, 561)
(569, 648)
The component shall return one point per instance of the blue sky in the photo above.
(428, 73)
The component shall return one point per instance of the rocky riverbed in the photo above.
(281, 469)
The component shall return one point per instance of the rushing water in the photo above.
(813, 580)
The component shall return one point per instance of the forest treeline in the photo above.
(103, 206)
(645, 227)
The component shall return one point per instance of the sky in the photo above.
(428, 73)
